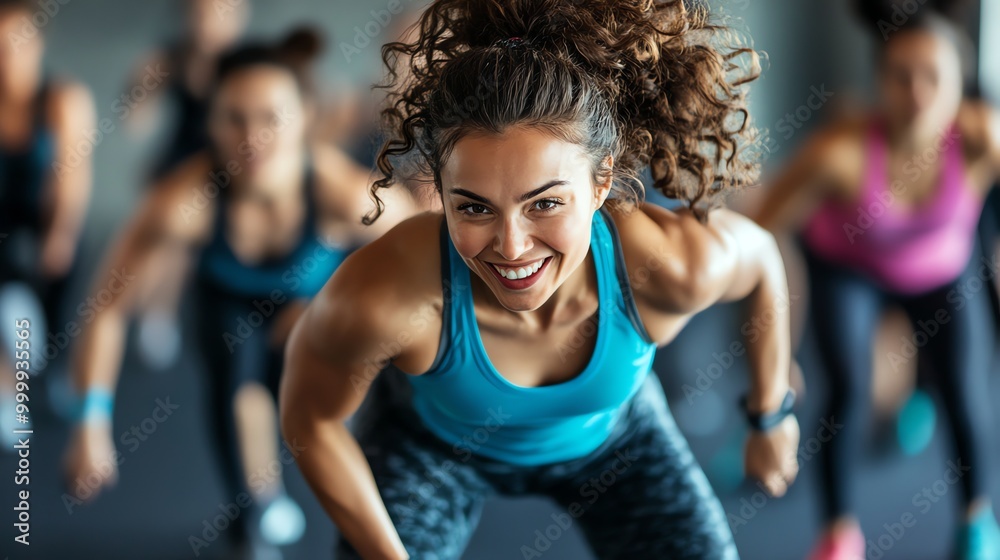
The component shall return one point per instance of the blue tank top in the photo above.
(23, 173)
(299, 274)
(464, 400)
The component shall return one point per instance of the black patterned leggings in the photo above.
(641, 495)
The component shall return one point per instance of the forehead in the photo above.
(519, 159)
(918, 46)
(259, 85)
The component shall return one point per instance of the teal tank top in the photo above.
(300, 274)
(465, 402)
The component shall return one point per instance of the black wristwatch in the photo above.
(765, 422)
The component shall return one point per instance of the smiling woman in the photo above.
(551, 282)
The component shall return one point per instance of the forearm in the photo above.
(338, 473)
(768, 334)
(97, 359)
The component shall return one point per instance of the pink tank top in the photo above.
(907, 250)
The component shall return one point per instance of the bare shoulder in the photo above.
(388, 289)
(673, 259)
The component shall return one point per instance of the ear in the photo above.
(603, 190)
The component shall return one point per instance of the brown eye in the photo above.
(546, 204)
(473, 209)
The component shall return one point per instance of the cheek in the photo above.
(470, 241)
(568, 237)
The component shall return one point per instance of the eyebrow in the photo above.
(526, 196)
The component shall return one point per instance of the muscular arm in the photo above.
(72, 115)
(729, 258)
(332, 358)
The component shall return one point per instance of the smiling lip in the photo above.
(520, 283)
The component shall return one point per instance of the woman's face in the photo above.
(21, 48)
(257, 121)
(520, 204)
(921, 81)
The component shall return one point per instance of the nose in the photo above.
(513, 238)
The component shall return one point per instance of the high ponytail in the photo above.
(648, 82)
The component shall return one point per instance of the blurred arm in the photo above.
(72, 111)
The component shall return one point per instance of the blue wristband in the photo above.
(97, 403)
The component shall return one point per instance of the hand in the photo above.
(91, 460)
(772, 457)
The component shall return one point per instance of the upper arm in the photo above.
(700, 264)
(72, 116)
(339, 345)
(805, 180)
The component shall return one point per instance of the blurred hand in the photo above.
(772, 457)
(91, 460)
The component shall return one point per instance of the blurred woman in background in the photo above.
(272, 219)
(189, 64)
(45, 181)
(887, 206)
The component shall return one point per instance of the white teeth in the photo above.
(519, 273)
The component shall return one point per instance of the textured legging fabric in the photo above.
(245, 354)
(953, 337)
(641, 495)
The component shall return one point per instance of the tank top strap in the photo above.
(614, 271)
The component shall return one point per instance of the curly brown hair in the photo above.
(647, 82)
